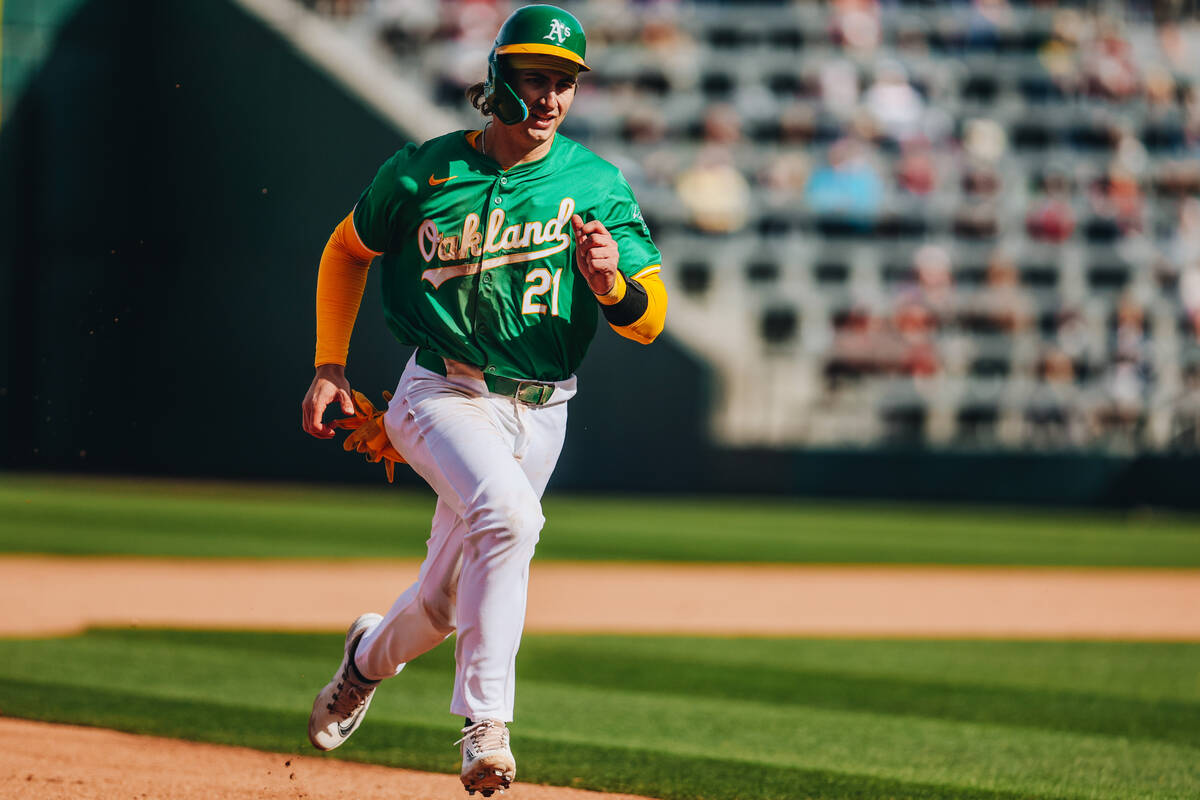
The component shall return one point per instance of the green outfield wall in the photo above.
(169, 173)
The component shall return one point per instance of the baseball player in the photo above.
(500, 247)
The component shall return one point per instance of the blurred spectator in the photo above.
(1128, 378)
(1180, 177)
(670, 46)
(855, 25)
(1109, 69)
(1052, 219)
(1130, 154)
(913, 350)
(1189, 295)
(856, 342)
(912, 37)
(977, 216)
(893, 103)
(984, 140)
(798, 124)
(1185, 421)
(916, 171)
(1129, 334)
(986, 20)
(1052, 413)
(1179, 238)
(1080, 340)
(1179, 42)
(1060, 55)
(715, 194)
(980, 180)
(1191, 120)
(784, 178)
(722, 128)
(1183, 249)
(847, 188)
(1184, 254)
(935, 282)
(713, 190)
(1002, 305)
(1118, 415)
(644, 125)
(1160, 91)
(1116, 200)
(1164, 129)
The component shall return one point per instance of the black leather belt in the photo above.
(534, 393)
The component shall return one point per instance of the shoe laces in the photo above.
(485, 736)
(350, 694)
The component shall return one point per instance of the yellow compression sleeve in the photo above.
(341, 279)
(638, 318)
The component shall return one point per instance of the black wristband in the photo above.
(630, 308)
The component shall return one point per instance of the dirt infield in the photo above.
(39, 761)
(48, 595)
(56, 596)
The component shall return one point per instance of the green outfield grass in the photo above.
(677, 717)
(46, 514)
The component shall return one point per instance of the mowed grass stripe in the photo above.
(679, 728)
(1169, 721)
(54, 514)
(1149, 671)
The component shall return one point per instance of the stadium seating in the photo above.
(914, 223)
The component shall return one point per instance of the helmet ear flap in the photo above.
(506, 105)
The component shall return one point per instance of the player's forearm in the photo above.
(636, 307)
(341, 280)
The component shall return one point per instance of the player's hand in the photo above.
(329, 386)
(369, 435)
(596, 254)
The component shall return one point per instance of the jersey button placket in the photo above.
(481, 326)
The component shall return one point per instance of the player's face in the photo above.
(548, 94)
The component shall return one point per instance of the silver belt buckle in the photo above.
(533, 393)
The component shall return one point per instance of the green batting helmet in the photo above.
(530, 30)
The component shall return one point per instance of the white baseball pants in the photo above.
(489, 458)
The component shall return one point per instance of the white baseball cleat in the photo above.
(488, 763)
(342, 704)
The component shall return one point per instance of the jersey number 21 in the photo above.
(541, 282)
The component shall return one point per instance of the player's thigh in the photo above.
(454, 441)
(546, 427)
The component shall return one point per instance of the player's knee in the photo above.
(513, 522)
(523, 523)
(438, 608)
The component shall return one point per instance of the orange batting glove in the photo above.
(368, 435)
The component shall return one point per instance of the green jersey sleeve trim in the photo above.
(358, 236)
(380, 207)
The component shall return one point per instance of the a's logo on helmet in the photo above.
(558, 31)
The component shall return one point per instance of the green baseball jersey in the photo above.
(479, 262)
